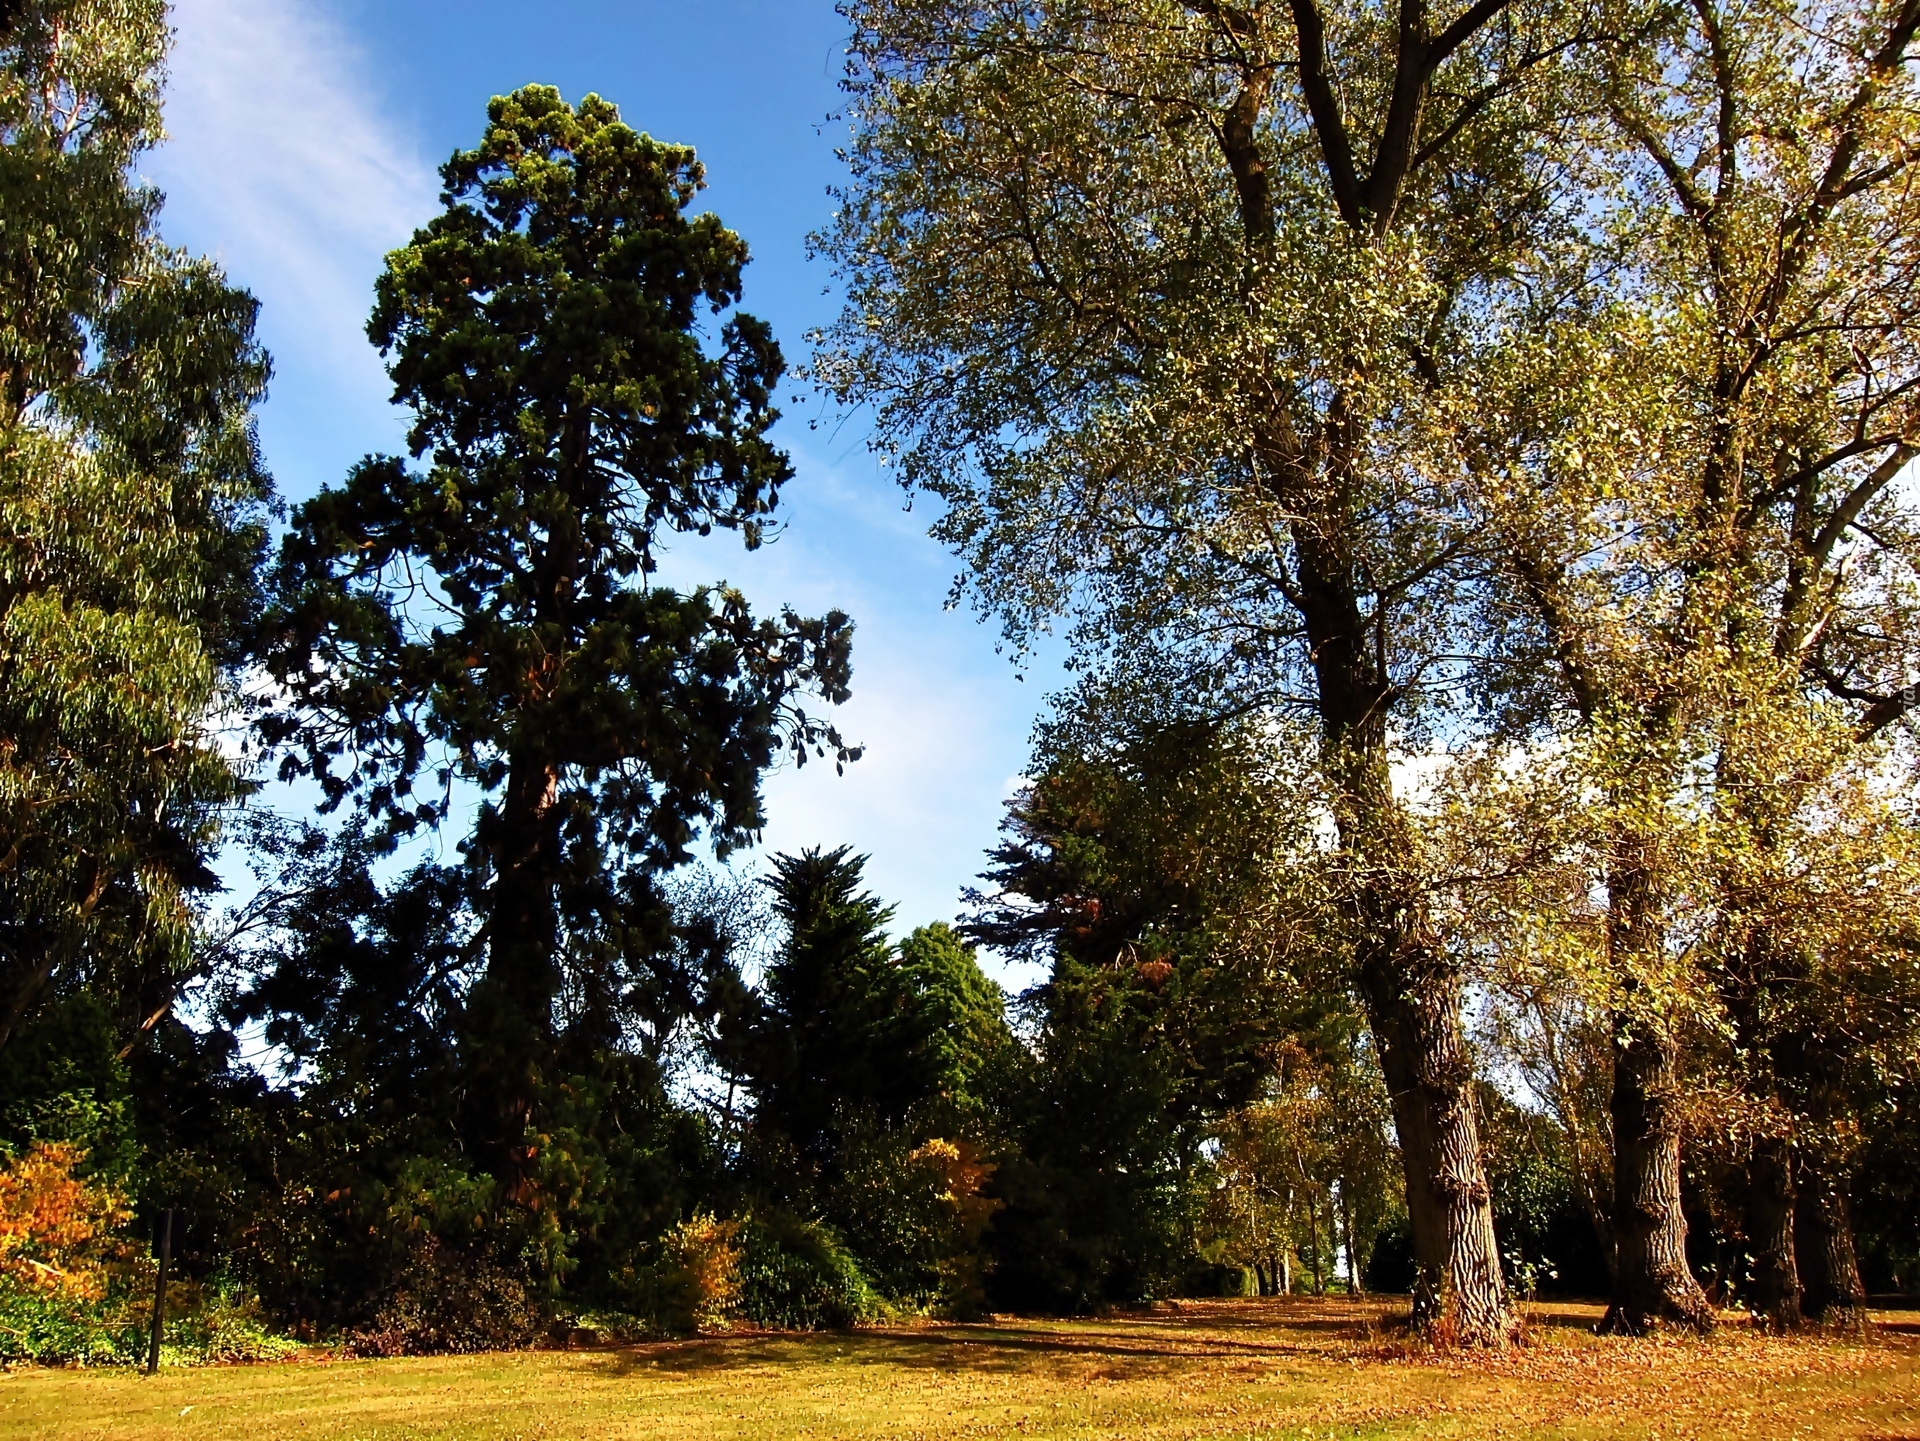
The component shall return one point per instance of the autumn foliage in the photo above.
(56, 1226)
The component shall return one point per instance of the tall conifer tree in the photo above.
(489, 618)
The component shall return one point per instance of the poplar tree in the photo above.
(1175, 304)
(1708, 550)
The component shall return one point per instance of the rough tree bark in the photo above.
(512, 1009)
(1411, 989)
(1830, 1268)
(1767, 1204)
(1410, 986)
(1459, 1292)
(1769, 1220)
(1652, 1284)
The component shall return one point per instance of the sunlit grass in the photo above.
(1215, 1369)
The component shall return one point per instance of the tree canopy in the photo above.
(133, 506)
(1470, 452)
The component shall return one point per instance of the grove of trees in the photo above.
(1469, 455)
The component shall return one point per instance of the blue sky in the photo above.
(305, 135)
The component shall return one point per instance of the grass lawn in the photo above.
(1297, 1368)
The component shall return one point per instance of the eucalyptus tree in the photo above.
(1708, 539)
(132, 509)
(1176, 305)
(489, 619)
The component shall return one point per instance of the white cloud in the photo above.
(289, 149)
(942, 717)
(283, 166)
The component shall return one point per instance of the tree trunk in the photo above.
(1353, 1252)
(1823, 1221)
(1652, 1283)
(522, 954)
(1769, 1226)
(1313, 1235)
(1459, 1293)
(511, 1011)
(1410, 986)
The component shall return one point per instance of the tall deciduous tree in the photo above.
(131, 524)
(489, 618)
(1714, 540)
(1174, 305)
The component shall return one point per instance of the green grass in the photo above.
(1296, 1368)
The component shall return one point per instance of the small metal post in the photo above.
(160, 1294)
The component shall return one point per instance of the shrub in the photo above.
(796, 1276)
(219, 1325)
(914, 1215)
(54, 1224)
(966, 1210)
(69, 1287)
(452, 1298)
(52, 1328)
(1220, 1280)
(694, 1285)
(1391, 1269)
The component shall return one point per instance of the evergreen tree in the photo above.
(852, 1032)
(489, 618)
(826, 1040)
(1141, 867)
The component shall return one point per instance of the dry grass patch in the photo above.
(1299, 1368)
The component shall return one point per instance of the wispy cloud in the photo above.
(283, 165)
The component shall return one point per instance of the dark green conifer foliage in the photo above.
(962, 1031)
(486, 615)
(829, 1039)
(854, 1035)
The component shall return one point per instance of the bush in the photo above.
(220, 1326)
(52, 1328)
(70, 1289)
(694, 1283)
(1390, 1268)
(452, 1298)
(796, 1276)
(914, 1214)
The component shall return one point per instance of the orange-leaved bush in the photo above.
(56, 1226)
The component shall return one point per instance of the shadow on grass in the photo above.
(1139, 1343)
(1135, 1344)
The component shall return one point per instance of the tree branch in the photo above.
(1336, 147)
(1857, 500)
